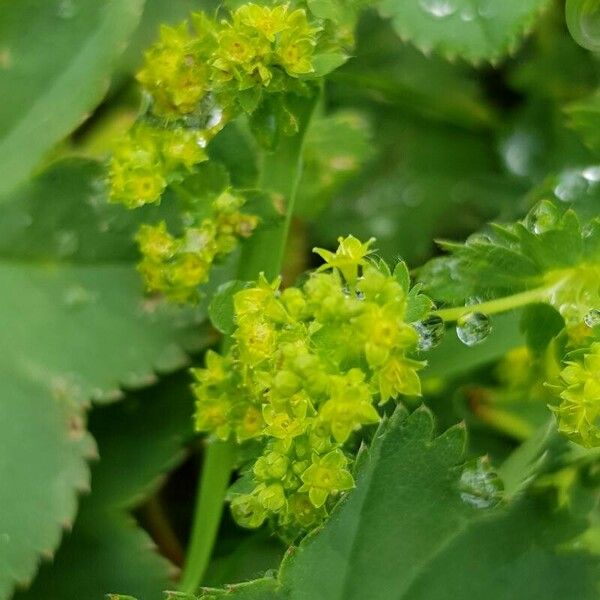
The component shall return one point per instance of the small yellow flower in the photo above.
(268, 21)
(155, 242)
(578, 414)
(295, 54)
(174, 73)
(350, 255)
(326, 475)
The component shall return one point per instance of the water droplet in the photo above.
(413, 195)
(467, 15)
(592, 174)
(489, 8)
(66, 9)
(479, 486)
(382, 226)
(520, 151)
(473, 328)
(570, 312)
(583, 21)
(572, 185)
(77, 296)
(439, 9)
(592, 319)
(431, 331)
(542, 218)
(66, 243)
(214, 117)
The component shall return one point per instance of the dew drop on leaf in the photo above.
(431, 331)
(77, 296)
(66, 9)
(583, 21)
(592, 319)
(542, 218)
(571, 186)
(439, 9)
(479, 485)
(66, 243)
(473, 328)
(591, 174)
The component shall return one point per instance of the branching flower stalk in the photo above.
(309, 369)
(306, 370)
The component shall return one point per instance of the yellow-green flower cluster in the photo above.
(258, 47)
(307, 369)
(147, 159)
(176, 266)
(578, 414)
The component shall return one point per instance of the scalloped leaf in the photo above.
(107, 550)
(508, 259)
(56, 59)
(475, 30)
(76, 325)
(418, 527)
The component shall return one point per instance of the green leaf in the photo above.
(540, 323)
(385, 71)
(412, 530)
(249, 558)
(327, 62)
(520, 468)
(418, 189)
(584, 116)
(220, 309)
(476, 30)
(336, 147)
(452, 358)
(57, 62)
(107, 551)
(519, 257)
(77, 327)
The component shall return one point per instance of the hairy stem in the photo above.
(495, 306)
(280, 174)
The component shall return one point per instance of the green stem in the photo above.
(495, 306)
(216, 472)
(264, 252)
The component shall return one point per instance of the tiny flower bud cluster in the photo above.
(307, 369)
(258, 49)
(176, 266)
(147, 159)
(578, 414)
(196, 78)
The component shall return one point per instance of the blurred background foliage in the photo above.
(408, 147)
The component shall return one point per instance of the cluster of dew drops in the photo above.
(472, 328)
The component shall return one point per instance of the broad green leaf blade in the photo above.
(414, 529)
(57, 59)
(476, 30)
(43, 450)
(419, 189)
(548, 257)
(107, 550)
(76, 327)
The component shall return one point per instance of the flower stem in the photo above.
(264, 252)
(216, 471)
(495, 306)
